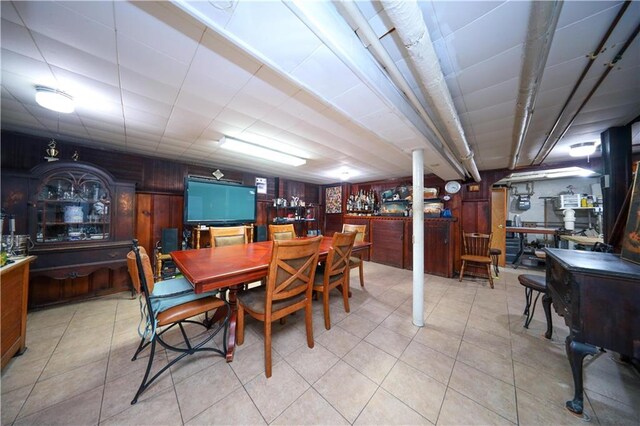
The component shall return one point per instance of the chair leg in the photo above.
(361, 268)
(308, 320)
(144, 383)
(240, 325)
(490, 274)
(533, 309)
(495, 265)
(345, 297)
(462, 270)
(325, 305)
(267, 347)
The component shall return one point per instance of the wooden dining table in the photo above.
(228, 267)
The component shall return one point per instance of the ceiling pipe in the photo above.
(350, 11)
(604, 75)
(543, 20)
(407, 19)
(544, 149)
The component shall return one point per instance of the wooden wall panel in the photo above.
(387, 237)
(333, 223)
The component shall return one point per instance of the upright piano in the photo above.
(598, 294)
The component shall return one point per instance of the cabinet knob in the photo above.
(500, 226)
(72, 275)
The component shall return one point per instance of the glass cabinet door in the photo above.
(73, 206)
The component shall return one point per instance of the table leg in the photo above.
(576, 351)
(516, 261)
(231, 339)
(546, 304)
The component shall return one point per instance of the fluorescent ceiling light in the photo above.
(547, 174)
(260, 152)
(54, 99)
(582, 149)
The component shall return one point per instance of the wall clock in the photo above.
(452, 187)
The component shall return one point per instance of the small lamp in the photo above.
(582, 149)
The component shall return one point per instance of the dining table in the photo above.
(230, 267)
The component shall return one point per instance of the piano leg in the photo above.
(576, 351)
(546, 304)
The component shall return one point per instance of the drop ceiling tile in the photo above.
(67, 57)
(209, 88)
(369, 8)
(148, 87)
(8, 12)
(270, 87)
(394, 47)
(250, 105)
(134, 115)
(380, 23)
(235, 118)
(22, 74)
(359, 102)
(68, 27)
(101, 12)
(325, 74)
(199, 105)
(304, 106)
(501, 29)
(281, 119)
(90, 94)
(109, 137)
(266, 25)
(219, 12)
(155, 65)
(453, 16)
(573, 12)
(186, 124)
(116, 126)
(492, 112)
(161, 27)
(142, 103)
(16, 38)
(502, 67)
(448, 64)
(264, 129)
(580, 38)
(493, 125)
(503, 92)
(223, 128)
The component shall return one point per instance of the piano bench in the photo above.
(530, 283)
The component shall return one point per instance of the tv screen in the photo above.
(211, 202)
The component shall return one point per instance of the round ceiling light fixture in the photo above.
(55, 100)
(582, 149)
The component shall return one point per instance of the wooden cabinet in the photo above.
(13, 296)
(387, 238)
(81, 221)
(367, 233)
(439, 247)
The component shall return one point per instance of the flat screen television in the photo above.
(210, 202)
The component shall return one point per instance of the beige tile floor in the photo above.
(472, 363)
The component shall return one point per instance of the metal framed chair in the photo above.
(335, 272)
(289, 289)
(356, 261)
(168, 304)
(476, 251)
(282, 232)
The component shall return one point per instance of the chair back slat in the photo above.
(339, 254)
(132, 265)
(476, 244)
(292, 268)
(360, 230)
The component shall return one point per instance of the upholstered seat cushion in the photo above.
(319, 278)
(477, 259)
(170, 293)
(535, 282)
(187, 310)
(354, 261)
(253, 299)
(495, 252)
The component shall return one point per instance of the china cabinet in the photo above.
(81, 221)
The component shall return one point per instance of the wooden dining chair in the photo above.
(335, 272)
(228, 236)
(356, 260)
(289, 289)
(282, 232)
(171, 303)
(477, 251)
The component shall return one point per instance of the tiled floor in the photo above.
(473, 363)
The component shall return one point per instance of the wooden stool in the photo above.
(495, 255)
(538, 283)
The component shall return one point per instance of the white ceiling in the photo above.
(150, 78)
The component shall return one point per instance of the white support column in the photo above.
(418, 238)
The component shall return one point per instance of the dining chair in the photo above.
(477, 248)
(335, 271)
(228, 236)
(288, 289)
(282, 232)
(168, 304)
(356, 261)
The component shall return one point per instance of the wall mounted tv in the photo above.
(209, 202)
